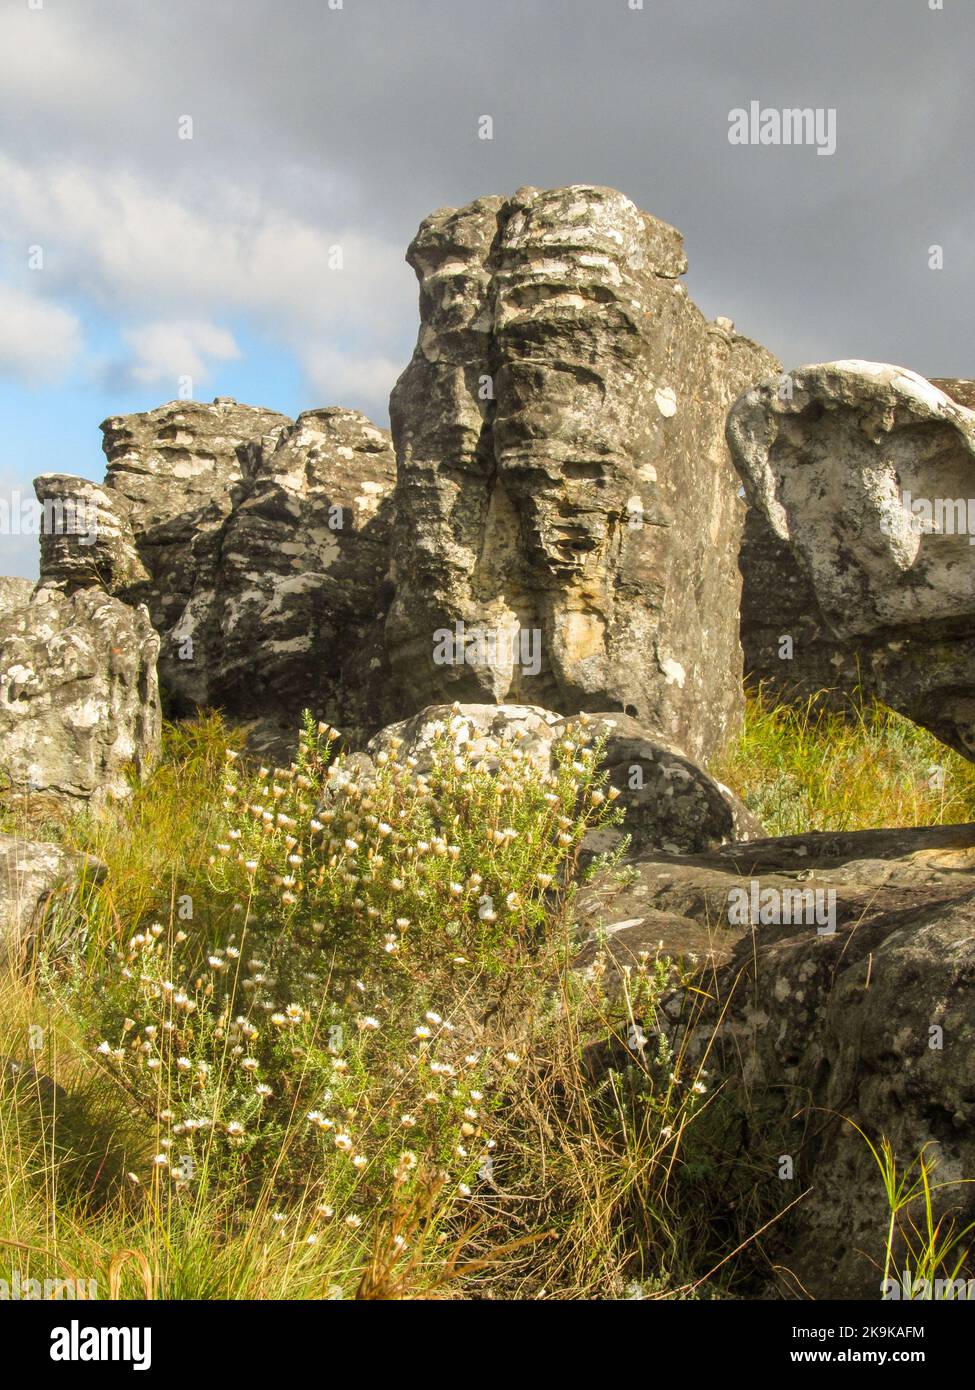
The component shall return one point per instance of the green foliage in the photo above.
(321, 1033)
(810, 767)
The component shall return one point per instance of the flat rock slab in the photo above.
(871, 1020)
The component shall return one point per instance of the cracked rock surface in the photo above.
(864, 473)
(562, 470)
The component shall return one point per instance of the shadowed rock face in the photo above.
(297, 610)
(860, 473)
(787, 646)
(563, 488)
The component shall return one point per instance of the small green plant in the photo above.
(932, 1252)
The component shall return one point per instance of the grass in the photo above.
(806, 767)
(314, 1037)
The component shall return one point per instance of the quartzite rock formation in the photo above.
(560, 532)
(296, 615)
(564, 491)
(14, 593)
(79, 699)
(86, 539)
(864, 471)
(173, 474)
(260, 547)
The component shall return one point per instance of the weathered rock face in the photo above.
(667, 801)
(564, 491)
(262, 553)
(173, 474)
(295, 617)
(14, 592)
(86, 539)
(864, 472)
(78, 694)
(871, 1021)
(787, 646)
(33, 875)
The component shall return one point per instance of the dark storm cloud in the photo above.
(366, 117)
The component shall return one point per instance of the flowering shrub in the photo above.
(333, 1035)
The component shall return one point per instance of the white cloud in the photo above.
(39, 340)
(164, 351)
(345, 379)
(206, 251)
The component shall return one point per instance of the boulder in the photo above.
(864, 471)
(667, 801)
(79, 701)
(567, 525)
(842, 973)
(475, 730)
(34, 876)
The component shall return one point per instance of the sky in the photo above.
(217, 195)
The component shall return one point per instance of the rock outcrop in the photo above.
(667, 801)
(567, 523)
(260, 547)
(86, 538)
(79, 699)
(173, 476)
(864, 470)
(295, 618)
(842, 970)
